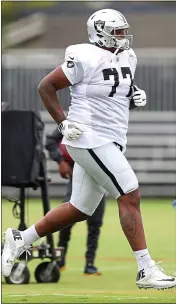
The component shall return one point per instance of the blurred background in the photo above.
(34, 38)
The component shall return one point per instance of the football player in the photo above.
(100, 76)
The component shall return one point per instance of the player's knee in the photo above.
(76, 213)
(132, 198)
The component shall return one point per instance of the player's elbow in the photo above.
(45, 86)
(42, 86)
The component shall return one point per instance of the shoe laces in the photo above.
(26, 250)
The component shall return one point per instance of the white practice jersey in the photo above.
(101, 86)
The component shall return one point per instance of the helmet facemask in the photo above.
(111, 38)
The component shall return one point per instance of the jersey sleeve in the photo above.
(72, 67)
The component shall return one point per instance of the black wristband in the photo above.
(60, 127)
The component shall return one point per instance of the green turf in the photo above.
(114, 258)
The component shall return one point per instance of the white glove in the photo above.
(139, 97)
(71, 130)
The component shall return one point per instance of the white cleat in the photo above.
(154, 277)
(14, 246)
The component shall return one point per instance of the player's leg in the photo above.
(65, 234)
(150, 275)
(94, 224)
(109, 167)
(131, 220)
(16, 242)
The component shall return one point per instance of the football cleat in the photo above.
(14, 246)
(154, 277)
(90, 269)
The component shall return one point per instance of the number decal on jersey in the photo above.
(125, 71)
(107, 73)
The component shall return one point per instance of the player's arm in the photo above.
(138, 96)
(47, 89)
(132, 105)
(70, 73)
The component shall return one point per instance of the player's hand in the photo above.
(139, 97)
(65, 169)
(71, 130)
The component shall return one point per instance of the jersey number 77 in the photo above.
(125, 71)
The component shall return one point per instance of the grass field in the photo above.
(114, 258)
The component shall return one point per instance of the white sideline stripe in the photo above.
(78, 295)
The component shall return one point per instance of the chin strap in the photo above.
(116, 51)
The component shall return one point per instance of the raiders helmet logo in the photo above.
(70, 64)
(99, 25)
